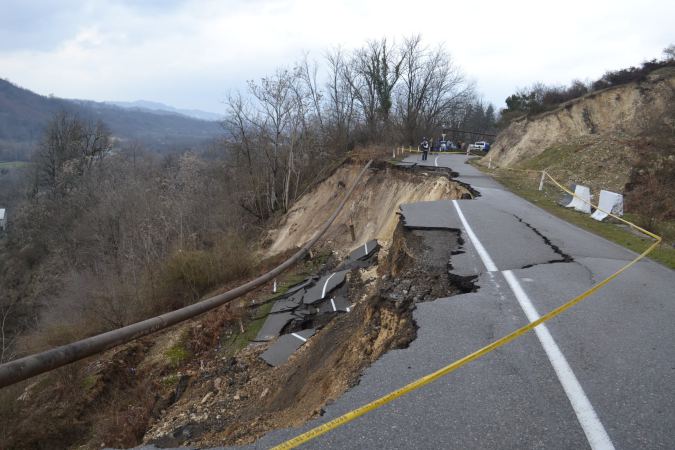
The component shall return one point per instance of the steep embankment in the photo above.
(372, 208)
(599, 138)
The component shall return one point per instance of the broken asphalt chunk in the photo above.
(364, 251)
(273, 326)
(324, 286)
(287, 303)
(333, 305)
(285, 346)
(300, 286)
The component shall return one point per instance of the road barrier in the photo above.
(354, 414)
(29, 366)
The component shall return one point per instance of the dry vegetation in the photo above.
(620, 139)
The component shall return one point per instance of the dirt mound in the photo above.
(372, 208)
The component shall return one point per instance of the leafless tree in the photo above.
(432, 89)
(341, 100)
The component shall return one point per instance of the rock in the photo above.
(206, 398)
(236, 397)
(265, 392)
(216, 383)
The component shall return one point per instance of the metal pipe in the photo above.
(29, 366)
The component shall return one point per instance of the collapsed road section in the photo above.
(316, 341)
(303, 303)
(323, 332)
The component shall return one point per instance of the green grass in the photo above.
(552, 156)
(177, 354)
(170, 380)
(251, 329)
(89, 382)
(527, 187)
(13, 164)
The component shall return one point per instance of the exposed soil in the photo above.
(239, 399)
(371, 208)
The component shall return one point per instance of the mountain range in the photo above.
(161, 128)
(145, 105)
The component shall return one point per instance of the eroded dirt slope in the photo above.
(372, 207)
(601, 126)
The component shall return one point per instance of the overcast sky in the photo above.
(189, 53)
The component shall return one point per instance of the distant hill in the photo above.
(24, 115)
(144, 105)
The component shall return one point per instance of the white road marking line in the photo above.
(595, 433)
(332, 302)
(436, 161)
(484, 256)
(325, 285)
(365, 246)
(299, 337)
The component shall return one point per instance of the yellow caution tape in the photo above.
(351, 415)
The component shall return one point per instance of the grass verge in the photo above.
(527, 187)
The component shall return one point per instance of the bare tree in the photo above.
(341, 98)
(376, 69)
(68, 148)
(432, 89)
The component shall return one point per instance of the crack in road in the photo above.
(565, 258)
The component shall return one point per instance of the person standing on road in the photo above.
(425, 148)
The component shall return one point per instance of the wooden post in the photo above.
(541, 182)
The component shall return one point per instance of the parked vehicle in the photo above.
(482, 145)
(444, 146)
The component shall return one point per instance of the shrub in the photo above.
(191, 274)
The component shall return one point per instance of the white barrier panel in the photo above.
(611, 202)
(581, 193)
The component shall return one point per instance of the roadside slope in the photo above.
(614, 118)
(372, 208)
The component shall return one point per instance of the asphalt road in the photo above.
(600, 375)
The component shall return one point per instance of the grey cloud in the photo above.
(37, 25)
(42, 25)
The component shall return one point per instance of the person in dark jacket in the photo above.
(425, 148)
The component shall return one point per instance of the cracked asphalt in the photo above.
(618, 342)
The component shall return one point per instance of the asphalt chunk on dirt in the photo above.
(333, 304)
(273, 326)
(364, 251)
(324, 286)
(285, 346)
(287, 303)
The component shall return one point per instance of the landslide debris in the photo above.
(202, 383)
(237, 400)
